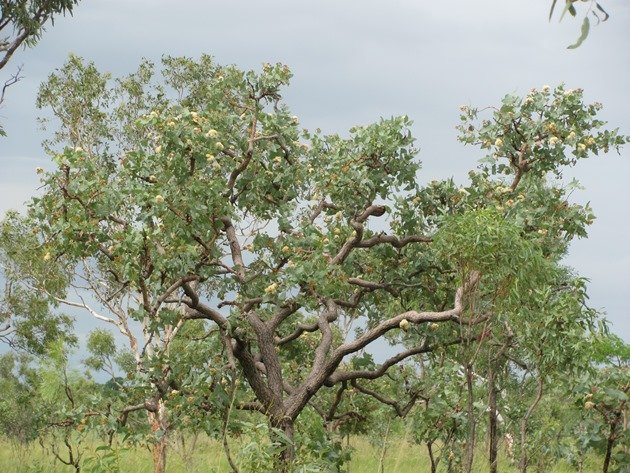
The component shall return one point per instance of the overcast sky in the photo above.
(355, 61)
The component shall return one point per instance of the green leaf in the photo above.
(553, 5)
(606, 15)
(586, 25)
(616, 394)
(567, 8)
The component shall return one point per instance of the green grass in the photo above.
(208, 457)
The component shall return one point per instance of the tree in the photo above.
(22, 22)
(20, 416)
(602, 396)
(28, 319)
(202, 200)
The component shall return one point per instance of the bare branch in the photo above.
(402, 411)
(356, 240)
(15, 78)
(341, 376)
(392, 240)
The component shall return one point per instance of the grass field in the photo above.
(208, 457)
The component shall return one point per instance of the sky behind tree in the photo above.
(356, 61)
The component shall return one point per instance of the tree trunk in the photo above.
(158, 422)
(610, 442)
(287, 454)
(524, 421)
(492, 421)
(432, 457)
(381, 460)
(470, 444)
(609, 445)
(159, 456)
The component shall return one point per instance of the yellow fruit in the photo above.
(271, 288)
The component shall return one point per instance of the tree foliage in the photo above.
(226, 244)
(22, 22)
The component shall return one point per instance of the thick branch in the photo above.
(200, 310)
(357, 224)
(411, 316)
(282, 315)
(176, 285)
(304, 327)
(235, 248)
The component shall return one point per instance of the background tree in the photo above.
(20, 414)
(602, 397)
(29, 320)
